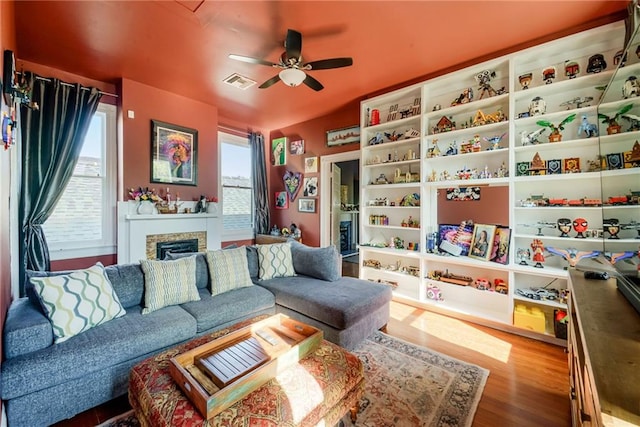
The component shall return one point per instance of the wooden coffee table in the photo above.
(321, 387)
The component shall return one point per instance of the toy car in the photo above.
(482, 284)
(500, 286)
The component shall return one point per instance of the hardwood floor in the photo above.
(528, 384)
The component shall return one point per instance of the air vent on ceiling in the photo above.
(241, 82)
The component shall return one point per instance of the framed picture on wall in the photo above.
(482, 241)
(501, 243)
(297, 147)
(174, 152)
(307, 205)
(279, 151)
(310, 187)
(346, 135)
(281, 200)
(311, 165)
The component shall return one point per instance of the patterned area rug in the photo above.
(406, 386)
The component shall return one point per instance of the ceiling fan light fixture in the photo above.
(292, 76)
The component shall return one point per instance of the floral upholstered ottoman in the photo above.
(318, 390)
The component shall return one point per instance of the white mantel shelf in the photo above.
(133, 229)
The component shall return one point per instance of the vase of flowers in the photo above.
(146, 199)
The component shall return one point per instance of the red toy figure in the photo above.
(538, 252)
(580, 225)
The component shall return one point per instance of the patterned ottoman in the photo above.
(319, 390)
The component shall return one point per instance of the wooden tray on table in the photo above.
(217, 374)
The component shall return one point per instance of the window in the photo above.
(237, 191)
(83, 222)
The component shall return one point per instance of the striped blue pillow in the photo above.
(275, 261)
(169, 283)
(77, 301)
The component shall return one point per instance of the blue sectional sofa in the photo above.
(42, 383)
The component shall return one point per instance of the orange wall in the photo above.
(7, 41)
(492, 208)
(150, 103)
(314, 133)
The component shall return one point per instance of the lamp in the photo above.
(292, 76)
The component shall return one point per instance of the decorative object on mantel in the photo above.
(146, 199)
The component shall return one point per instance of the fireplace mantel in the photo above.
(133, 229)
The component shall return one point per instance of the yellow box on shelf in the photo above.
(531, 318)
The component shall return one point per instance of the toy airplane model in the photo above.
(540, 225)
(572, 255)
(529, 138)
(614, 257)
(577, 101)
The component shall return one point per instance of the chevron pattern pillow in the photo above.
(169, 283)
(229, 269)
(77, 301)
(275, 261)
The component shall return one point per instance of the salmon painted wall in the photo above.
(7, 41)
(492, 208)
(314, 134)
(150, 103)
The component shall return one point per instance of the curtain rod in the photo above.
(233, 131)
(69, 84)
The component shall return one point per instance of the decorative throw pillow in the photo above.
(275, 261)
(77, 301)
(231, 269)
(321, 263)
(169, 283)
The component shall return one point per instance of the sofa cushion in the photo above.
(119, 340)
(128, 282)
(202, 269)
(339, 304)
(252, 261)
(169, 282)
(321, 263)
(275, 261)
(228, 269)
(78, 301)
(229, 306)
(26, 329)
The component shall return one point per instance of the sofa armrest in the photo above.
(26, 329)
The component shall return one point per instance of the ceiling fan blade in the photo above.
(325, 64)
(293, 44)
(251, 60)
(273, 80)
(313, 83)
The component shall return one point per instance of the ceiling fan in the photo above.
(293, 68)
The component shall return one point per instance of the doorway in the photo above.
(340, 189)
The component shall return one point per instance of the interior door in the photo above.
(336, 179)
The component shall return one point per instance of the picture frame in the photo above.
(461, 234)
(522, 168)
(296, 147)
(343, 136)
(311, 164)
(571, 165)
(501, 244)
(554, 167)
(279, 151)
(310, 187)
(482, 241)
(615, 161)
(281, 200)
(307, 205)
(174, 154)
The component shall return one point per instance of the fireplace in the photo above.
(176, 246)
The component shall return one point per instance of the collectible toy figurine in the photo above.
(525, 80)
(580, 225)
(548, 74)
(611, 226)
(538, 252)
(555, 135)
(564, 226)
(571, 69)
(523, 255)
(494, 141)
(578, 101)
(484, 79)
(589, 129)
(465, 97)
(572, 255)
(613, 126)
(528, 138)
(631, 87)
(537, 106)
(596, 63)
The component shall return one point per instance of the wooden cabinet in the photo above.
(266, 239)
(604, 354)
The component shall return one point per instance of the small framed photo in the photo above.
(174, 152)
(311, 164)
(522, 168)
(482, 241)
(346, 135)
(281, 199)
(614, 161)
(307, 205)
(310, 188)
(554, 167)
(501, 243)
(279, 151)
(296, 147)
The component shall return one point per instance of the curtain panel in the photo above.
(51, 138)
(262, 217)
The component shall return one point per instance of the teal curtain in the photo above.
(261, 219)
(51, 138)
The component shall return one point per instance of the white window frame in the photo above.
(245, 233)
(106, 245)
